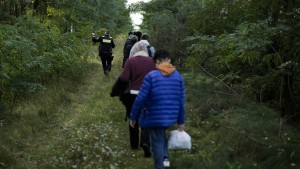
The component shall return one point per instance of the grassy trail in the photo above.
(86, 128)
(78, 125)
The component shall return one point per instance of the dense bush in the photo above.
(42, 41)
(248, 60)
(251, 45)
(33, 54)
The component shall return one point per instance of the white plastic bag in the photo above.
(179, 140)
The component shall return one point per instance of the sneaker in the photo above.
(146, 149)
(166, 163)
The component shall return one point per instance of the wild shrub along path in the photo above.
(89, 131)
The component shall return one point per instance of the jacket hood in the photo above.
(139, 49)
(166, 68)
(141, 53)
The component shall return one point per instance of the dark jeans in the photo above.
(106, 59)
(134, 132)
(159, 146)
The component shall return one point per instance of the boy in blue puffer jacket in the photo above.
(162, 99)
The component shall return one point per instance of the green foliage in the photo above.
(250, 45)
(33, 55)
(167, 27)
(6, 157)
(44, 41)
(243, 59)
(78, 148)
(240, 53)
(231, 133)
(78, 125)
(112, 15)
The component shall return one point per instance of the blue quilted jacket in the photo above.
(160, 102)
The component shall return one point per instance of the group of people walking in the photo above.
(152, 91)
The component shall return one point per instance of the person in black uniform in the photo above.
(105, 50)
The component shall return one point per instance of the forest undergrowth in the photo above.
(78, 125)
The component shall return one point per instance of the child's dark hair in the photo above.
(161, 54)
(138, 34)
(145, 36)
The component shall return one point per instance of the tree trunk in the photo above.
(289, 102)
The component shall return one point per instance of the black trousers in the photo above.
(124, 60)
(106, 59)
(135, 141)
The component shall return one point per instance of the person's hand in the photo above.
(180, 127)
(132, 123)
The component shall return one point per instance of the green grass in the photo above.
(78, 125)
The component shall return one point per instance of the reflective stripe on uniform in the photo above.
(106, 41)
